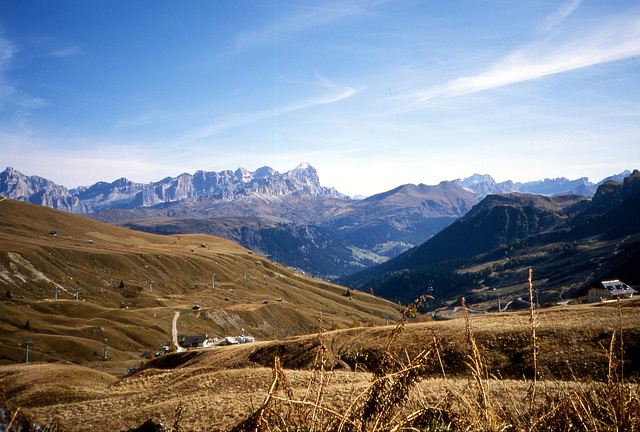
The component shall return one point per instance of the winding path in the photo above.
(174, 331)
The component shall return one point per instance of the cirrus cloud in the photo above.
(617, 39)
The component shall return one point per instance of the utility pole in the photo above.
(55, 293)
(150, 286)
(386, 319)
(77, 293)
(213, 282)
(105, 350)
(245, 274)
(27, 342)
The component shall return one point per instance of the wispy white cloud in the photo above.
(7, 50)
(617, 39)
(237, 120)
(66, 52)
(562, 12)
(148, 118)
(10, 96)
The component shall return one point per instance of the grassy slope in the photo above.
(218, 387)
(95, 257)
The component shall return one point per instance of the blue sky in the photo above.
(373, 94)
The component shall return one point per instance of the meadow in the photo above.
(465, 373)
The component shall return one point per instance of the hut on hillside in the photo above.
(608, 290)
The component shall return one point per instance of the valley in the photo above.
(94, 305)
(287, 217)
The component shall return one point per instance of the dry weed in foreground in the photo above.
(379, 407)
(593, 406)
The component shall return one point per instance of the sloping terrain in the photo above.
(385, 223)
(309, 219)
(322, 235)
(570, 242)
(311, 248)
(217, 388)
(129, 285)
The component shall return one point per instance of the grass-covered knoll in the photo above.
(423, 375)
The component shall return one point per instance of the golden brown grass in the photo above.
(132, 319)
(385, 404)
(219, 389)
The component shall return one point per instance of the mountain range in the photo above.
(570, 242)
(125, 194)
(233, 185)
(288, 217)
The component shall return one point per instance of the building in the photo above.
(608, 290)
(195, 342)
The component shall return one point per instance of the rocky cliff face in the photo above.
(38, 190)
(125, 194)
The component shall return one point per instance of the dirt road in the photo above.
(174, 331)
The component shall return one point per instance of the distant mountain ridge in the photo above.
(570, 242)
(230, 185)
(125, 194)
(484, 184)
(328, 234)
(370, 230)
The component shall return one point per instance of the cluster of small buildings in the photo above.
(207, 342)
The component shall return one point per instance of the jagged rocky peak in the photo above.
(38, 190)
(265, 172)
(631, 184)
(616, 177)
(125, 194)
(305, 173)
(478, 179)
(15, 184)
(243, 175)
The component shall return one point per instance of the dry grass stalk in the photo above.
(380, 407)
(621, 378)
(259, 421)
(477, 370)
(387, 389)
(436, 345)
(611, 358)
(177, 418)
(320, 360)
(534, 344)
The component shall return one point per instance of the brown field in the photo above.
(97, 259)
(218, 388)
(324, 376)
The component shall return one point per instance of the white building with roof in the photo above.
(608, 290)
